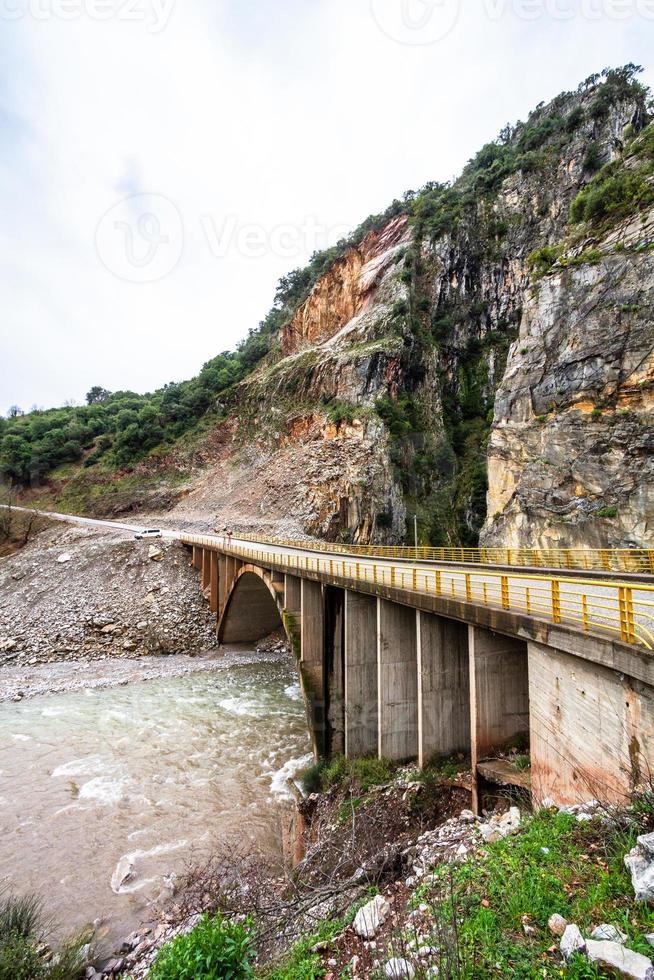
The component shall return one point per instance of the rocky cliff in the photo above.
(438, 368)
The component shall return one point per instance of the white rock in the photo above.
(572, 941)
(615, 956)
(371, 917)
(399, 969)
(650, 938)
(62, 559)
(557, 924)
(155, 554)
(122, 874)
(467, 816)
(609, 933)
(640, 862)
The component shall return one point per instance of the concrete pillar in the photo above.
(230, 573)
(361, 720)
(443, 687)
(197, 557)
(499, 693)
(206, 568)
(592, 729)
(214, 572)
(397, 681)
(334, 660)
(222, 582)
(312, 659)
(293, 594)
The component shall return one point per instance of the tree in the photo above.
(14, 411)
(97, 395)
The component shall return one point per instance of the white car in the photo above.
(148, 532)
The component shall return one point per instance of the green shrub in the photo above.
(542, 259)
(215, 949)
(612, 193)
(593, 158)
(608, 512)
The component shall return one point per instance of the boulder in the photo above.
(122, 874)
(500, 825)
(640, 863)
(572, 941)
(399, 969)
(557, 924)
(62, 559)
(371, 917)
(609, 933)
(155, 554)
(617, 958)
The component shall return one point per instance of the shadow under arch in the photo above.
(251, 611)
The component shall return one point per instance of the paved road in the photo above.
(598, 603)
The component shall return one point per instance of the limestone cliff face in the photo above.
(571, 455)
(431, 372)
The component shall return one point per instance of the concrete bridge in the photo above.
(411, 658)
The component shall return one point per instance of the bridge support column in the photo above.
(197, 558)
(206, 569)
(443, 687)
(222, 583)
(499, 694)
(592, 729)
(397, 681)
(214, 571)
(293, 594)
(361, 719)
(334, 669)
(312, 659)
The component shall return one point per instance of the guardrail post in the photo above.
(392, 576)
(505, 592)
(438, 583)
(468, 587)
(605, 559)
(626, 603)
(556, 600)
(415, 579)
(650, 555)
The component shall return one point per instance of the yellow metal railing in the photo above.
(610, 607)
(633, 560)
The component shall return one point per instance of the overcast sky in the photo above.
(164, 162)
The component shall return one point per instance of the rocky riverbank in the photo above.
(399, 880)
(78, 594)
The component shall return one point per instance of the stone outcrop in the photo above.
(571, 457)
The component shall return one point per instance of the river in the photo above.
(151, 774)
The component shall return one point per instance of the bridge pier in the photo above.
(443, 687)
(397, 681)
(499, 694)
(214, 574)
(361, 714)
(293, 594)
(312, 643)
(334, 670)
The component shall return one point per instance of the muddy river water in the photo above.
(141, 779)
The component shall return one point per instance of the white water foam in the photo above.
(289, 770)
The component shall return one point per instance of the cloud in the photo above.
(284, 123)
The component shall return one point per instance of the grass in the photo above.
(357, 775)
(301, 963)
(23, 928)
(554, 865)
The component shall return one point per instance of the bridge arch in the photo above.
(251, 609)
